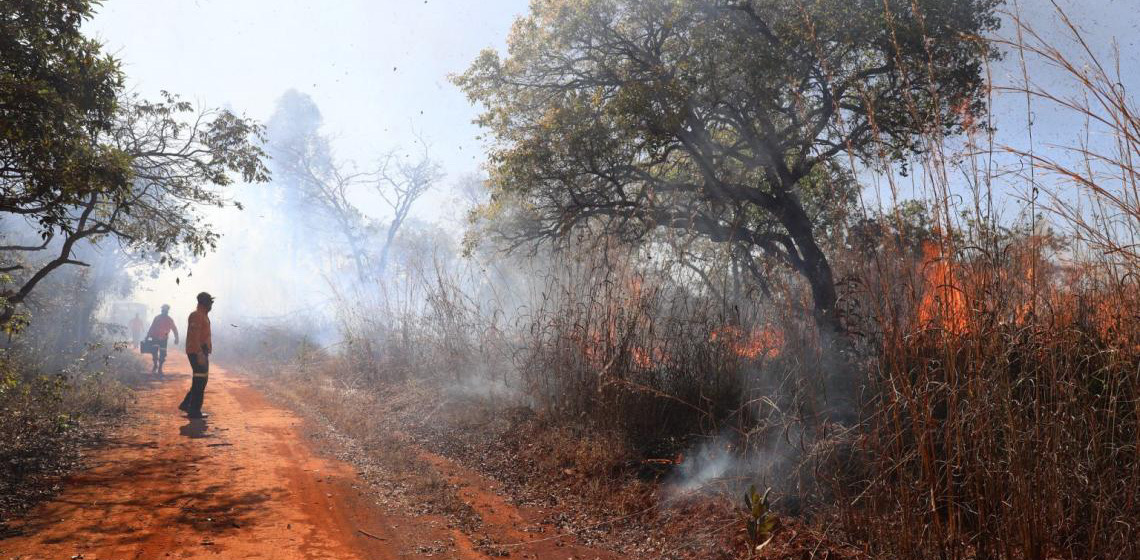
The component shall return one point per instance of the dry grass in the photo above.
(990, 403)
(1002, 412)
(48, 418)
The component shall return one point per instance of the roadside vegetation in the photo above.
(50, 416)
(738, 279)
(98, 188)
(679, 285)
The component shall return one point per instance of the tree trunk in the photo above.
(358, 258)
(391, 238)
(838, 376)
(815, 268)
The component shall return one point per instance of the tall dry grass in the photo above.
(993, 383)
(1002, 416)
(595, 337)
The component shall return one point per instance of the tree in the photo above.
(81, 162)
(58, 93)
(724, 119)
(177, 157)
(317, 188)
(400, 184)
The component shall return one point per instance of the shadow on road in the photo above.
(196, 428)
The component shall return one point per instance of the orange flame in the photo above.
(943, 304)
(599, 350)
(644, 358)
(764, 342)
(962, 109)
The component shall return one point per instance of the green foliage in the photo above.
(759, 520)
(906, 226)
(58, 93)
(722, 119)
(83, 162)
(47, 416)
(180, 156)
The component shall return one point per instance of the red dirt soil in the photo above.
(245, 483)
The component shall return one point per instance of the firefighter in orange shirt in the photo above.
(160, 329)
(136, 326)
(198, 349)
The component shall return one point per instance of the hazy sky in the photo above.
(378, 70)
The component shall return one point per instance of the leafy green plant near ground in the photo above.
(759, 521)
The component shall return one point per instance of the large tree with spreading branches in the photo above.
(726, 119)
(83, 162)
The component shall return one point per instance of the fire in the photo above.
(943, 304)
(764, 342)
(595, 348)
(602, 350)
(648, 358)
(1116, 326)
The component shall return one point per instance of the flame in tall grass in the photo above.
(943, 303)
(761, 343)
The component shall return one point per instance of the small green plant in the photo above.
(759, 519)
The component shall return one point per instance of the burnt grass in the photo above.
(588, 483)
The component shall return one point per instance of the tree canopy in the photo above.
(723, 119)
(58, 93)
(81, 161)
(318, 191)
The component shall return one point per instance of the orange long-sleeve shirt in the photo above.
(161, 327)
(198, 333)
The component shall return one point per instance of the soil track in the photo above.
(244, 483)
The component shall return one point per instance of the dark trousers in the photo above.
(159, 354)
(200, 365)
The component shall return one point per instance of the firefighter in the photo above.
(136, 326)
(160, 329)
(198, 349)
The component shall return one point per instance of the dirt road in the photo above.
(244, 483)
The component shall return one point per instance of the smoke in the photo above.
(711, 461)
(794, 419)
(310, 251)
(486, 381)
(726, 464)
